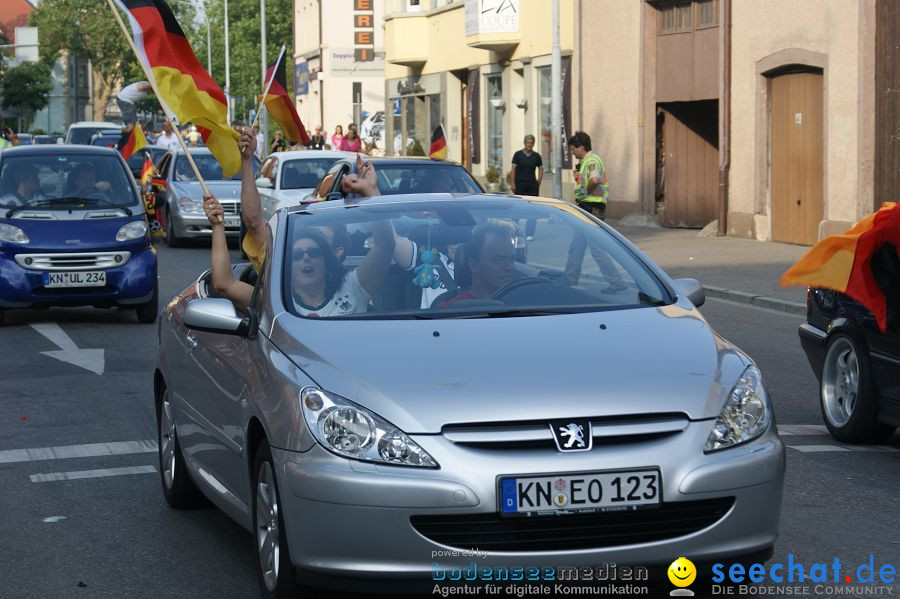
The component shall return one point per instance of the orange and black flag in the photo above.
(132, 141)
(863, 263)
(183, 86)
(438, 149)
(281, 107)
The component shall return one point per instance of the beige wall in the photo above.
(336, 91)
(761, 29)
(611, 80)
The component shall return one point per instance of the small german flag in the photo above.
(281, 107)
(147, 170)
(183, 86)
(438, 149)
(132, 141)
(854, 262)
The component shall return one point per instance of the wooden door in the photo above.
(690, 163)
(797, 172)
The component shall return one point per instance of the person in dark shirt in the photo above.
(527, 173)
(317, 141)
(278, 144)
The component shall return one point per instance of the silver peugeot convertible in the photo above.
(553, 402)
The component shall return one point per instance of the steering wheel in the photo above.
(515, 284)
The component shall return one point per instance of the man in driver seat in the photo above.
(491, 257)
(26, 187)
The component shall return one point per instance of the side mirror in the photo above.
(692, 289)
(334, 195)
(264, 182)
(216, 315)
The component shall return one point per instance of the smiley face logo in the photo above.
(682, 572)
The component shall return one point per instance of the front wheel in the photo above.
(275, 571)
(147, 312)
(848, 398)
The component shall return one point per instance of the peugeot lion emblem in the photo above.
(572, 435)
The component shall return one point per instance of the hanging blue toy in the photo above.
(426, 273)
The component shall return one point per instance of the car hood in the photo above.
(422, 375)
(222, 190)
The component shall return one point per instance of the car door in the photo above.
(219, 376)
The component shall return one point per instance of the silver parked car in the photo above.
(560, 404)
(177, 189)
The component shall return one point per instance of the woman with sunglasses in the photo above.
(320, 286)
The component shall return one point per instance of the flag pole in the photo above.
(268, 86)
(152, 80)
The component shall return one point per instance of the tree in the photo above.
(87, 28)
(27, 87)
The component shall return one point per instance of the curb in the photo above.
(760, 301)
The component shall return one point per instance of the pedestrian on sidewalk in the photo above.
(591, 194)
(591, 187)
(527, 173)
(317, 141)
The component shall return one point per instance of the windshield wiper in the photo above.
(512, 313)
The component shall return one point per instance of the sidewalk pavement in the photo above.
(731, 268)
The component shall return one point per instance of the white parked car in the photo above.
(82, 131)
(285, 178)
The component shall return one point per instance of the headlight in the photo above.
(186, 204)
(354, 432)
(12, 234)
(746, 413)
(136, 229)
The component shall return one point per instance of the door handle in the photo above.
(191, 341)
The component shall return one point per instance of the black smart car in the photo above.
(857, 365)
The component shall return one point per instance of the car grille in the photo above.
(73, 261)
(66, 291)
(231, 207)
(491, 531)
(536, 433)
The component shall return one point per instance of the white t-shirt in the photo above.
(132, 94)
(260, 142)
(169, 142)
(350, 298)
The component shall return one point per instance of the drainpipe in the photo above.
(725, 118)
(321, 82)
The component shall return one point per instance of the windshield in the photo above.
(207, 165)
(83, 135)
(66, 181)
(481, 263)
(304, 173)
(429, 177)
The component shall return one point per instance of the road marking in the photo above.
(55, 476)
(89, 359)
(813, 430)
(52, 519)
(91, 450)
(827, 448)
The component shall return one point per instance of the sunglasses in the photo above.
(313, 252)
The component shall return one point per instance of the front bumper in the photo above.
(347, 518)
(131, 283)
(196, 226)
(813, 341)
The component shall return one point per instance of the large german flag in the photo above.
(859, 262)
(132, 141)
(438, 149)
(281, 107)
(183, 87)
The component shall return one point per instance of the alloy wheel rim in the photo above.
(267, 533)
(840, 382)
(167, 441)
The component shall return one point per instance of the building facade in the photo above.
(480, 69)
(776, 118)
(338, 61)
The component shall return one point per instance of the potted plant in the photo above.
(492, 176)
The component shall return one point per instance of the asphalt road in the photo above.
(89, 520)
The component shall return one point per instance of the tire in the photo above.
(847, 397)
(172, 240)
(148, 311)
(178, 488)
(275, 571)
